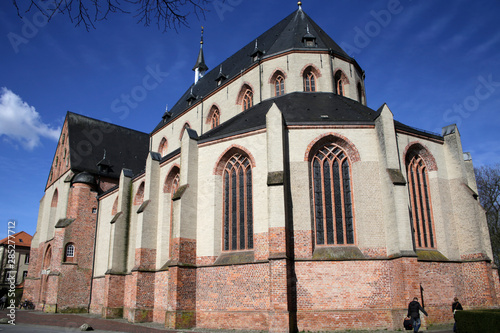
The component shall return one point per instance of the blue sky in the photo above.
(433, 62)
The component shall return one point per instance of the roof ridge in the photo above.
(104, 122)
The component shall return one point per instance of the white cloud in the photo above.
(20, 123)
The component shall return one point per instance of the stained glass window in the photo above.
(238, 207)
(332, 196)
(421, 210)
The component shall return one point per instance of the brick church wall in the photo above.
(161, 296)
(477, 280)
(98, 295)
(129, 301)
(32, 282)
(233, 297)
(441, 282)
(330, 294)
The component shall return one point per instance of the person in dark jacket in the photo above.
(414, 309)
(455, 306)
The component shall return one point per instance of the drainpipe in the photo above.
(95, 243)
(260, 80)
(202, 119)
(331, 72)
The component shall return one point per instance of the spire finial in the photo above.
(300, 4)
(200, 67)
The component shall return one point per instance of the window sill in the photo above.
(338, 253)
(235, 258)
(430, 255)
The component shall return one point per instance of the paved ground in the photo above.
(38, 322)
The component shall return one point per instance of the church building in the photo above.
(269, 198)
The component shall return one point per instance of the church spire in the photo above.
(200, 67)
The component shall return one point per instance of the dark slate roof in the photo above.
(89, 138)
(285, 36)
(298, 108)
(400, 126)
(305, 108)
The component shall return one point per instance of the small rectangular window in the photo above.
(27, 259)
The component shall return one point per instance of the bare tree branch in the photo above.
(488, 186)
(167, 14)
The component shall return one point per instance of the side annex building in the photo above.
(270, 197)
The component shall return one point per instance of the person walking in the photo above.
(455, 306)
(3, 301)
(414, 309)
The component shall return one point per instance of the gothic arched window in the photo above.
(238, 204)
(214, 117)
(55, 197)
(332, 197)
(309, 81)
(340, 82)
(48, 257)
(139, 195)
(420, 201)
(279, 85)
(170, 187)
(247, 100)
(162, 148)
(173, 180)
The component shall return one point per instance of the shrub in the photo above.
(473, 321)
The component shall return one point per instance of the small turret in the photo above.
(200, 67)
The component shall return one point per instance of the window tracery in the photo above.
(332, 196)
(279, 85)
(247, 100)
(309, 81)
(214, 117)
(420, 202)
(238, 204)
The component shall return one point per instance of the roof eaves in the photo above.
(400, 126)
(230, 134)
